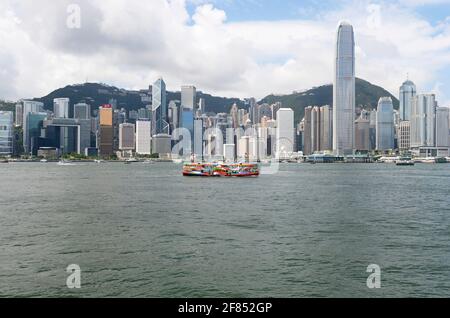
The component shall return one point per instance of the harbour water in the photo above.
(143, 230)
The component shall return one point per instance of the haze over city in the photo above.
(227, 48)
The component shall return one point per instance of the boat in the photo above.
(98, 161)
(221, 170)
(44, 160)
(405, 161)
(4, 161)
(441, 160)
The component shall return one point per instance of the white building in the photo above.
(344, 91)
(143, 137)
(423, 121)
(228, 152)
(404, 135)
(61, 107)
(385, 124)
(285, 133)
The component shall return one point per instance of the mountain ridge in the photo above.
(97, 94)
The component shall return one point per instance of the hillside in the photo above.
(367, 96)
(99, 94)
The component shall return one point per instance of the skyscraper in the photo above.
(188, 105)
(344, 91)
(362, 134)
(407, 93)
(326, 128)
(285, 133)
(423, 121)
(126, 137)
(61, 107)
(143, 137)
(34, 124)
(106, 131)
(29, 106)
(82, 111)
(442, 126)
(6, 133)
(19, 114)
(160, 111)
(385, 124)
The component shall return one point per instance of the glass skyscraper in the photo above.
(188, 105)
(160, 111)
(385, 124)
(407, 93)
(6, 133)
(344, 91)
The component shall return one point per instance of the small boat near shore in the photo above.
(221, 170)
(65, 163)
(405, 161)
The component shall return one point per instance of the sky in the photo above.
(233, 48)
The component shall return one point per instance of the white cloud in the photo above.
(131, 43)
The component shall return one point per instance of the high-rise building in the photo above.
(143, 137)
(106, 141)
(404, 135)
(442, 126)
(188, 105)
(29, 106)
(82, 111)
(307, 132)
(34, 125)
(344, 91)
(423, 121)
(285, 133)
(407, 93)
(61, 107)
(385, 124)
(160, 111)
(362, 134)
(68, 135)
(326, 128)
(127, 137)
(19, 114)
(275, 108)
(6, 133)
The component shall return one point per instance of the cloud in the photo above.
(131, 43)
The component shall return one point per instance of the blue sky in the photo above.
(273, 10)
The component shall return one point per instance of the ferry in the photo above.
(221, 170)
(405, 161)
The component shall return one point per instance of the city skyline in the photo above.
(300, 49)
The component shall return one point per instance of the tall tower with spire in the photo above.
(344, 91)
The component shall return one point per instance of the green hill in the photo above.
(367, 96)
(96, 94)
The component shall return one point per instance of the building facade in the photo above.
(344, 91)
(407, 92)
(61, 107)
(385, 124)
(6, 133)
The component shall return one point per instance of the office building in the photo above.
(407, 92)
(127, 136)
(344, 91)
(362, 134)
(285, 133)
(106, 130)
(404, 135)
(61, 107)
(160, 111)
(6, 133)
(385, 124)
(82, 111)
(143, 137)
